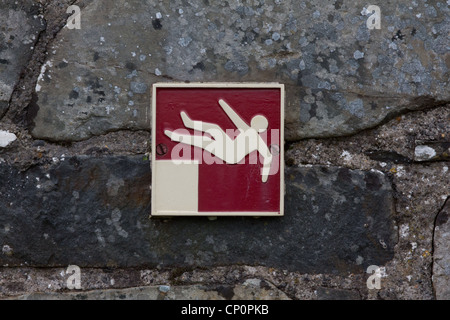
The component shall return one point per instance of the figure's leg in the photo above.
(193, 140)
(197, 125)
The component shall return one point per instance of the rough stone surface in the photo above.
(340, 76)
(72, 205)
(387, 147)
(421, 189)
(251, 289)
(337, 294)
(230, 282)
(441, 256)
(94, 212)
(21, 24)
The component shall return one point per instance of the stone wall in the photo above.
(367, 149)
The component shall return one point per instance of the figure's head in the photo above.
(259, 123)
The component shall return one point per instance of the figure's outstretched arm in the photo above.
(238, 122)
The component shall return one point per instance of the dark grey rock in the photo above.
(337, 294)
(21, 24)
(94, 212)
(63, 212)
(3, 107)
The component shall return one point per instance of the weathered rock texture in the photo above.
(253, 289)
(21, 24)
(367, 167)
(441, 261)
(94, 212)
(341, 76)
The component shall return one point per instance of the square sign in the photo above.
(217, 149)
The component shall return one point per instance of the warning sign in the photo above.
(217, 149)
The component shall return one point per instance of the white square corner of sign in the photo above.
(176, 187)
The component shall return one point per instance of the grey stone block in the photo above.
(340, 76)
(94, 212)
(21, 24)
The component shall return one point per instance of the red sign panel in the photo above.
(217, 149)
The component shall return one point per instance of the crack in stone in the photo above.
(24, 88)
(433, 246)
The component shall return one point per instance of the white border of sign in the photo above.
(218, 85)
